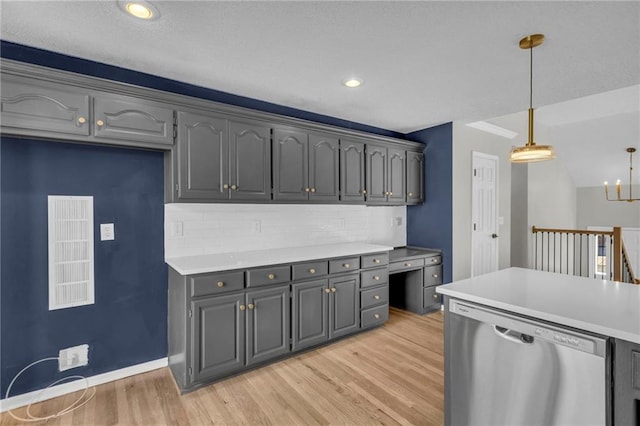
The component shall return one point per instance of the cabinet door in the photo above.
(344, 305)
(132, 119)
(203, 157)
(249, 161)
(268, 326)
(415, 178)
(39, 105)
(352, 183)
(376, 174)
(217, 336)
(290, 158)
(323, 168)
(396, 169)
(310, 307)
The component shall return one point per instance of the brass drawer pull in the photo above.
(327, 290)
(346, 265)
(271, 276)
(407, 264)
(435, 296)
(82, 120)
(376, 260)
(251, 306)
(313, 190)
(307, 189)
(376, 316)
(100, 123)
(435, 275)
(312, 271)
(364, 192)
(377, 278)
(434, 260)
(234, 187)
(242, 307)
(376, 297)
(333, 289)
(410, 194)
(225, 186)
(220, 284)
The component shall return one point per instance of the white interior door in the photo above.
(484, 214)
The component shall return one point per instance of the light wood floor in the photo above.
(391, 375)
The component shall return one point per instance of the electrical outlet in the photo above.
(178, 229)
(73, 357)
(107, 232)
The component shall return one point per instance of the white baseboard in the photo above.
(65, 388)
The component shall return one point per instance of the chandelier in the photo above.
(619, 186)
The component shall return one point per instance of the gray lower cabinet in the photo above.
(132, 119)
(268, 326)
(218, 159)
(385, 175)
(218, 336)
(30, 104)
(305, 166)
(310, 312)
(344, 305)
(414, 276)
(352, 171)
(415, 177)
(626, 383)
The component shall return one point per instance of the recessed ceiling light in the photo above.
(492, 128)
(140, 9)
(352, 82)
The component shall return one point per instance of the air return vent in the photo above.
(70, 251)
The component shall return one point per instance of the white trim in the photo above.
(65, 388)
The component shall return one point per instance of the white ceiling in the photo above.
(423, 63)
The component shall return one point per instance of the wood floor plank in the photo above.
(387, 376)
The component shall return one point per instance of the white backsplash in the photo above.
(192, 229)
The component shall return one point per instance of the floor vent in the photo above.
(71, 280)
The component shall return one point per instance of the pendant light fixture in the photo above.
(531, 152)
(619, 187)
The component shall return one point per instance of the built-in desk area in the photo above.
(414, 274)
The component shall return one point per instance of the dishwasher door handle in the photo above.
(512, 336)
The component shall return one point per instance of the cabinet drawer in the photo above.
(432, 275)
(374, 296)
(268, 275)
(373, 260)
(374, 277)
(310, 270)
(344, 265)
(406, 265)
(431, 298)
(374, 316)
(202, 285)
(433, 260)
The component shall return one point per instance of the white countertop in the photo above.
(227, 261)
(604, 307)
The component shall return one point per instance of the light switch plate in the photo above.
(107, 232)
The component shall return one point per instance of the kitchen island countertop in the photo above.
(604, 307)
(205, 263)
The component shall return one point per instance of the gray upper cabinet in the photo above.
(268, 326)
(43, 106)
(220, 159)
(249, 161)
(310, 322)
(415, 177)
(305, 166)
(132, 119)
(344, 305)
(218, 339)
(203, 157)
(352, 171)
(385, 175)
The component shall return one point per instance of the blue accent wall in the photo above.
(127, 325)
(431, 224)
(46, 58)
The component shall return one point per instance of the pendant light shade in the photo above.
(531, 153)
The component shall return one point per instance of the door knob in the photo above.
(494, 235)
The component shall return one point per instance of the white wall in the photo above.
(221, 228)
(595, 210)
(465, 141)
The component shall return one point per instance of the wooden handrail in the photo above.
(573, 231)
(616, 263)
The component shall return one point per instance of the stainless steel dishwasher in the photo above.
(502, 369)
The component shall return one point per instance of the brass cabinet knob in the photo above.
(327, 290)
(435, 296)
(312, 271)
(376, 260)
(333, 289)
(242, 307)
(407, 264)
(100, 123)
(313, 190)
(346, 265)
(434, 260)
(307, 189)
(435, 275)
(376, 297)
(220, 284)
(82, 120)
(376, 316)
(225, 186)
(377, 278)
(251, 306)
(390, 193)
(234, 187)
(364, 192)
(271, 276)
(410, 194)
